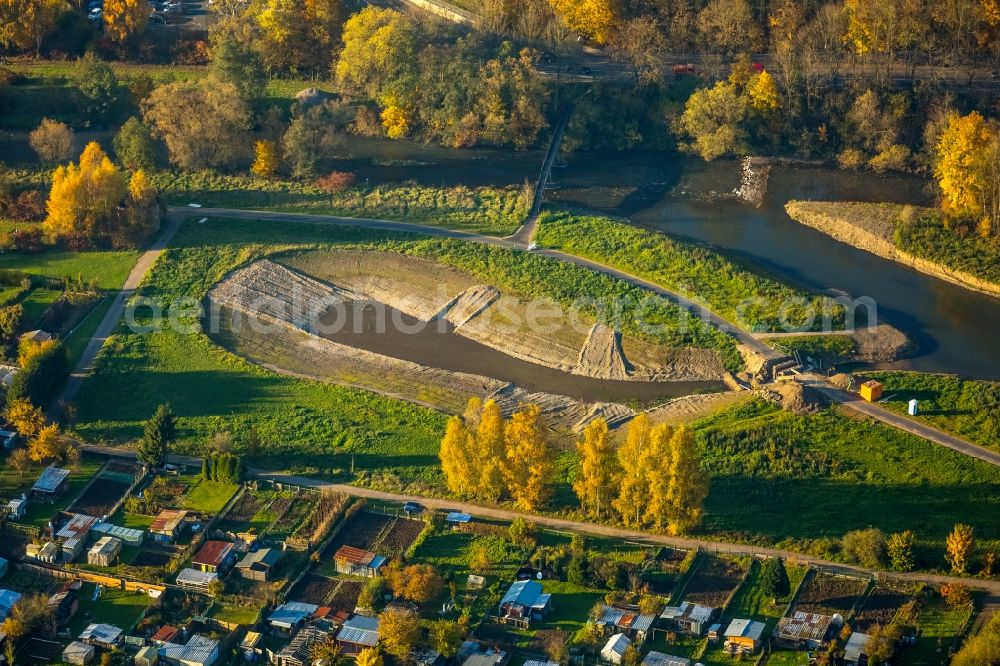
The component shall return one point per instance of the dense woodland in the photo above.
(896, 85)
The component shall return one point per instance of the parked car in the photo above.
(413, 507)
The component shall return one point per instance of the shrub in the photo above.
(865, 547)
(51, 140)
(851, 158)
(894, 158)
(28, 206)
(336, 181)
(28, 241)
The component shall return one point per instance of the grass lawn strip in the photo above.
(208, 497)
(963, 407)
(699, 273)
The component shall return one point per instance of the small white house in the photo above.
(17, 508)
(614, 650)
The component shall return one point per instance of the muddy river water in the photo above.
(957, 330)
(399, 335)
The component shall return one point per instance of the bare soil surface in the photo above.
(284, 320)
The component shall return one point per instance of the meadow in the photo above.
(802, 482)
(925, 234)
(496, 211)
(740, 296)
(107, 268)
(963, 407)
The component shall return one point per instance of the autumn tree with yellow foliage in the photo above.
(595, 480)
(369, 657)
(633, 461)
(93, 202)
(591, 18)
(25, 24)
(489, 451)
(299, 34)
(483, 457)
(961, 164)
(26, 419)
(688, 483)
(959, 546)
(84, 196)
(47, 445)
(530, 459)
(124, 19)
(266, 161)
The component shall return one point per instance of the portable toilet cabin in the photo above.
(913, 409)
(871, 390)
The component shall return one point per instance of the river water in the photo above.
(956, 329)
(437, 345)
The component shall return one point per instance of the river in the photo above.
(437, 345)
(956, 329)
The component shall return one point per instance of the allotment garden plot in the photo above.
(106, 490)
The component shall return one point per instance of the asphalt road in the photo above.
(918, 428)
(517, 241)
(117, 309)
(566, 525)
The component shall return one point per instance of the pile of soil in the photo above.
(798, 398)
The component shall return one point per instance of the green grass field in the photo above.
(115, 607)
(939, 628)
(36, 302)
(209, 496)
(236, 614)
(966, 408)
(108, 267)
(803, 482)
(745, 298)
(752, 602)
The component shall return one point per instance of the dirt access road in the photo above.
(176, 216)
(522, 239)
(114, 314)
(561, 524)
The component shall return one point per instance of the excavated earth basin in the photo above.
(419, 331)
(437, 345)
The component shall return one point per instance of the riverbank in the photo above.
(882, 229)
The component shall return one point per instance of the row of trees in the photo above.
(485, 457)
(652, 479)
(223, 467)
(871, 548)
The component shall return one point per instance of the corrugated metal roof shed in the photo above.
(360, 630)
(50, 479)
(213, 553)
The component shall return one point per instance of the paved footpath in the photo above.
(117, 309)
(566, 525)
(905, 423)
(520, 240)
